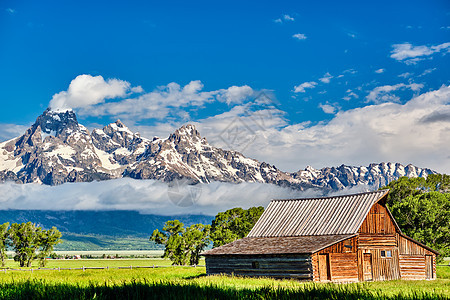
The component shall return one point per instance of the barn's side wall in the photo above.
(278, 266)
(413, 260)
(342, 261)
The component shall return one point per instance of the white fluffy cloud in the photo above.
(416, 132)
(379, 71)
(284, 18)
(146, 196)
(299, 36)
(350, 95)
(87, 90)
(328, 109)
(168, 100)
(288, 18)
(383, 93)
(326, 78)
(235, 94)
(411, 54)
(405, 75)
(305, 85)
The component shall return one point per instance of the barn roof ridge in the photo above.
(309, 235)
(331, 197)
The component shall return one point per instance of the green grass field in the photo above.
(78, 263)
(168, 282)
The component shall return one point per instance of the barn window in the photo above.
(255, 265)
(386, 253)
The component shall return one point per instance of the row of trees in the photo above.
(28, 241)
(184, 245)
(421, 208)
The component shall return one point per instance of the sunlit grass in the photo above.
(78, 263)
(185, 282)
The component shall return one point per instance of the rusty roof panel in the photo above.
(316, 216)
(278, 245)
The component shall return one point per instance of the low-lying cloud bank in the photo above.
(145, 196)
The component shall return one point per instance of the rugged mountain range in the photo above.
(57, 149)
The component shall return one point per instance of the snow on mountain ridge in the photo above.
(57, 149)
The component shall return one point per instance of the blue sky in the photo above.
(349, 82)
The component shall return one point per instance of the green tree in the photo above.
(404, 186)
(426, 218)
(47, 240)
(172, 241)
(234, 224)
(182, 245)
(195, 238)
(421, 208)
(3, 242)
(439, 182)
(25, 239)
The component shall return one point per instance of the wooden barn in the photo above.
(340, 239)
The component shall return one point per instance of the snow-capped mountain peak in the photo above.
(57, 149)
(57, 123)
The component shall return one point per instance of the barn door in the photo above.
(429, 266)
(324, 267)
(367, 267)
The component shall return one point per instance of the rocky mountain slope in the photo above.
(57, 149)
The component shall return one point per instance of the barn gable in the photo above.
(379, 220)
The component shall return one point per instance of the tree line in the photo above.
(28, 241)
(184, 245)
(421, 208)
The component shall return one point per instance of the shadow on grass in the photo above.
(196, 276)
(35, 289)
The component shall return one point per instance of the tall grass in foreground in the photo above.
(37, 289)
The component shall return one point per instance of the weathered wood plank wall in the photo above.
(413, 260)
(343, 267)
(412, 267)
(348, 246)
(280, 266)
(407, 247)
(374, 241)
(315, 266)
(378, 220)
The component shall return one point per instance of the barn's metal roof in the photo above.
(316, 216)
(278, 245)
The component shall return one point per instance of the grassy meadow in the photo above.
(169, 282)
(96, 262)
